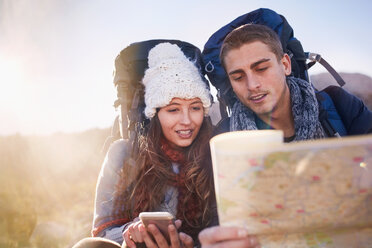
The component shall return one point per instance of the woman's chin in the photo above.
(183, 143)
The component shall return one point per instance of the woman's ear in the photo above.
(286, 62)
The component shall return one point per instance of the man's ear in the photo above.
(286, 61)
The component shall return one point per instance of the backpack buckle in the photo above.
(314, 57)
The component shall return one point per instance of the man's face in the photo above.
(258, 78)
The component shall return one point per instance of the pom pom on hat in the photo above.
(171, 74)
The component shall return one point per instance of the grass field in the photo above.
(47, 186)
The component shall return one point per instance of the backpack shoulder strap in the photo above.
(328, 116)
(222, 126)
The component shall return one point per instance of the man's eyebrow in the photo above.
(251, 66)
(236, 71)
(259, 62)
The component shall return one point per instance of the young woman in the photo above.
(172, 171)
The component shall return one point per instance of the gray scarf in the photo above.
(305, 112)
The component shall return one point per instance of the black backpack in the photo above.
(130, 66)
(291, 46)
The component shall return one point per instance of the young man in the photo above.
(259, 73)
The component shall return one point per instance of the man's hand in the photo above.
(231, 237)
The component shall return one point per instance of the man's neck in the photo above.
(281, 117)
(283, 122)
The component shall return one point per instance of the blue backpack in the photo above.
(330, 119)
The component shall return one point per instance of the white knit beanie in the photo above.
(171, 74)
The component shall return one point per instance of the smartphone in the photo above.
(160, 219)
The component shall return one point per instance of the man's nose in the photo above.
(252, 82)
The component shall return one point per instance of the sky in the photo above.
(57, 56)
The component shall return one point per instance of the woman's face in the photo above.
(181, 120)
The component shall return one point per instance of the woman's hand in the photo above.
(231, 237)
(131, 233)
(153, 238)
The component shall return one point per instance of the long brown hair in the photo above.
(142, 185)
